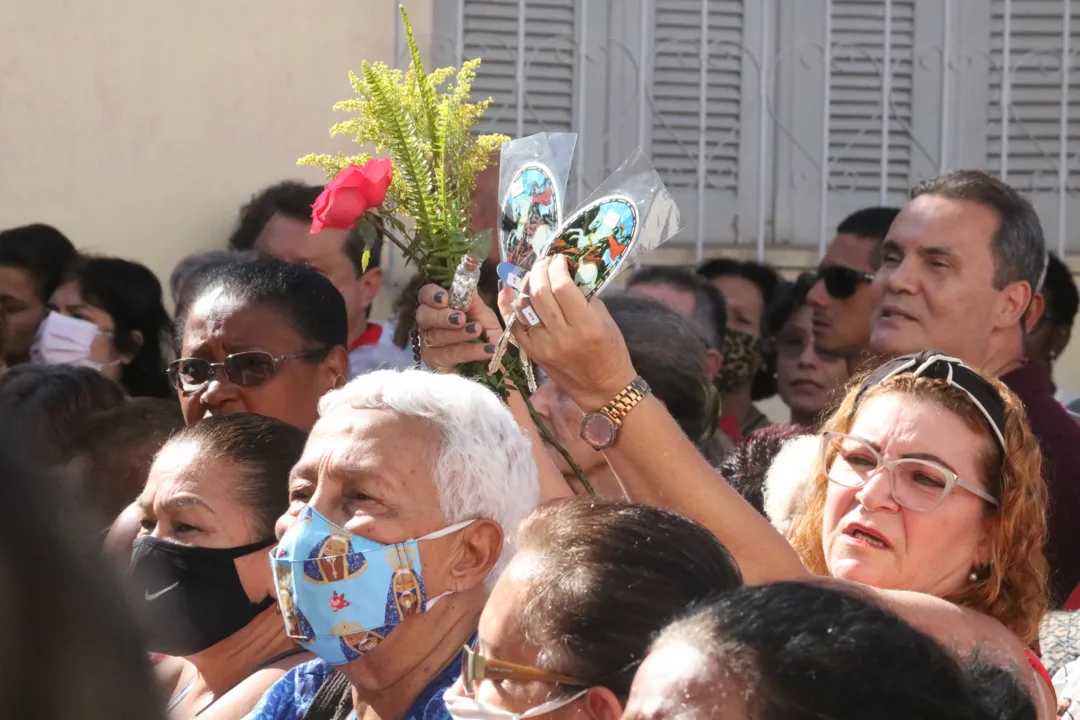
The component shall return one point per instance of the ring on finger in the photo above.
(525, 313)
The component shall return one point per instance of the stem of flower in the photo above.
(417, 255)
(546, 433)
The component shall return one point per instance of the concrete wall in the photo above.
(138, 127)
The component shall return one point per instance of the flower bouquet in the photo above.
(418, 198)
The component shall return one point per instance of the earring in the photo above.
(973, 577)
(339, 382)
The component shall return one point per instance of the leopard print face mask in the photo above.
(740, 352)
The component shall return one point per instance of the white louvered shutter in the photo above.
(855, 102)
(491, 33)
(676, 92)
(1034, 122)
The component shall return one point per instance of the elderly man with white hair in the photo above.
(403, 511)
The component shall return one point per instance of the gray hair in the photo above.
(669, 353)
(1018, 246)
(484, 467)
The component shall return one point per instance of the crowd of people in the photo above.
(268, 505)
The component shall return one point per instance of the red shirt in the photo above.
(370, 336)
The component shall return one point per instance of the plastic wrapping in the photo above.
(532, 183)
(629, 214)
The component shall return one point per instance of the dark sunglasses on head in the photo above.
(842, 282)
(245, 369)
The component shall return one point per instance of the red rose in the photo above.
(350, 194)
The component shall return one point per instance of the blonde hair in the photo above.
(1014, 589)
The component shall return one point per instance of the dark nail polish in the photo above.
(439, 297)
(471, 328)
(489, 349)
(456, 319)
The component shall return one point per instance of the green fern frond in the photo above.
(423, 82)
(401, 139)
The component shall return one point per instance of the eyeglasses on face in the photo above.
(475, 667)
(842, 282)
(917, 484)
(246, 369)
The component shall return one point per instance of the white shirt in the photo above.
(375, 350)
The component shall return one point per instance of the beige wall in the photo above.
(138, 127)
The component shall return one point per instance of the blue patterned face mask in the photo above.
(341, 594)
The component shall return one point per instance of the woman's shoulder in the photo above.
(972, 635)
(965, 631)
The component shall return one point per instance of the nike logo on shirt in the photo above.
(159, 593)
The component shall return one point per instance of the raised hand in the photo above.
(447, 337)
(577, 343)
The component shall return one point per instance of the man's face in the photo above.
(842, 325)
(677, 299)
(936, 281)
(371, 472)
(682, 302)
(288, 239)
(23, 312)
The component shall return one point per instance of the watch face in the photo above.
(598, 430)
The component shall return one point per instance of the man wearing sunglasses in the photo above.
(842, 297)
(959, 270)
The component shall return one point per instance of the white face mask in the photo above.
(63, 340)
(466, 708)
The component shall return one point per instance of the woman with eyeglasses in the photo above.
(965, 564)
(807, 378)
(265, 337)
(572, 616)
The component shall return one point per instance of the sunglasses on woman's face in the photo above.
(842, 282)
(246, 369)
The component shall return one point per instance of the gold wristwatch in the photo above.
(600, 428)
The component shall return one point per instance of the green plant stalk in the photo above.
(550, 438)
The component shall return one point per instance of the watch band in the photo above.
(625, 401)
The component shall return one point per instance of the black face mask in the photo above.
(190, 598)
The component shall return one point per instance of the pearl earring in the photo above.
(973, 577)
